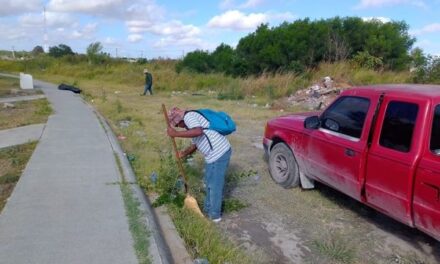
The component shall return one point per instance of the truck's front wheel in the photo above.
(283, 166)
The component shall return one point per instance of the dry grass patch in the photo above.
(13, 160)
(25, 113)
(11, 87)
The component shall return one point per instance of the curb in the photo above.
(166, 246)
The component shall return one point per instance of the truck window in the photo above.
(398, 126)
(346, 116)
(435, 134)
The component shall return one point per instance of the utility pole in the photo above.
(13, 52)
(45, 46)
(116, 52)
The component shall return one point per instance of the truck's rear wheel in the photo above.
(283, 166)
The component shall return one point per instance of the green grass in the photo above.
(204, 240)
(336, 249)
(12, 163)
(232, 205)
(136, 222)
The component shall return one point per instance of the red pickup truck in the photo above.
(378, 144)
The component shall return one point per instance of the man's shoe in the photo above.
(217, 220)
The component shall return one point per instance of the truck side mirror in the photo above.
(312, 122)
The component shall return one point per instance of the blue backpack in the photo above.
(218, 121)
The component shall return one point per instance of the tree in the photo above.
(198, 61)
(60, 51)
(94, 53)
(222, 58)
(37, 50)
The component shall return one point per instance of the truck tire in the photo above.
(283, 166)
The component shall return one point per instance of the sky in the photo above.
(171, 28)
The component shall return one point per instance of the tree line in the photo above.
(303, 44)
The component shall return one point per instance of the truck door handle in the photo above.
(349, 152)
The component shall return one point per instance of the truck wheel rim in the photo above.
(281, 167)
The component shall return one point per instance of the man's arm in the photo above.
(193, 132)
(188, 151)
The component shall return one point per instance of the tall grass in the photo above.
(165, 78)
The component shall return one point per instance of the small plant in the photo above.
(235, 177)
(232, 205)
(43, 108)
(103, 95)
(336, 249)
(119, 107)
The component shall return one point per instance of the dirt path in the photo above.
(317, 226)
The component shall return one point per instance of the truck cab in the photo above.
(379, 144)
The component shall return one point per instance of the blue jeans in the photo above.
(214, 181)
(148, 88)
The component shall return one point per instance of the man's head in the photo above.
(145, 70)
(175, 116)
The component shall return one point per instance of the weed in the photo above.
(204, 240)
(232, 205)
(103, 95)
(336, 249)
(12, 162)
(167, 198)
(9, 178)
(137, 225)
(235, 177)
(119, 107)
(25, 113)
(43, 108)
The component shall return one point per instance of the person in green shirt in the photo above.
(148, 83)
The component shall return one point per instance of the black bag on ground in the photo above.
(69, 88)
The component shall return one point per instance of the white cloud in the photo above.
(251, 4)
(53, 19)
(87, 6)
(14, 7)
(227, 4)
(382, 3)
(231, 4)
(110, 41)
(184, 42)
(431, 28)
(237, 20)
(175, 28)
(87, 32)
(174, 32)
(381, 19)
(135, 38)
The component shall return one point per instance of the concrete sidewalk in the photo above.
(65, 208)
(20, 135)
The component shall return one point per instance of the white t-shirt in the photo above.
(220, 144)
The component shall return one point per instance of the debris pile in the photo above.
(317, 96)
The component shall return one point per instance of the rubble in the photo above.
(8, 105)
(317, 96)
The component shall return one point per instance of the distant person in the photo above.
(148, 82)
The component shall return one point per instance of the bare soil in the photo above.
(24, 113)
(314, 226)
